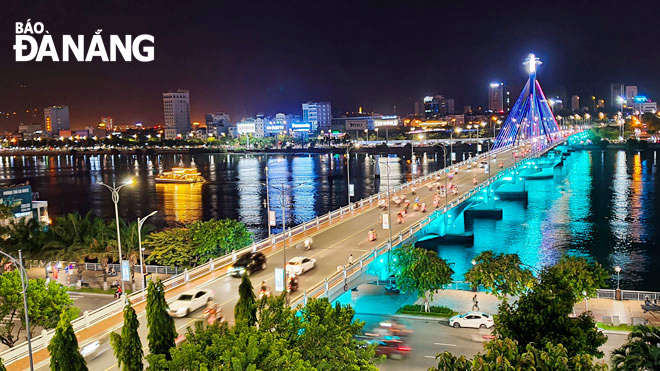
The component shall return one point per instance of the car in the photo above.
(472, 319)
(300, 265)
(189, 302)
(392, 348)
(483, 164)
(249, 262)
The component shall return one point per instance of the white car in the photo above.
(189, 302)
(472, 319)
(300, 265)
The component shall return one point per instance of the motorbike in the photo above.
(474, 180)
(264, 292)
(416, 206)
(423, 207)
(371, 235)
(292, 286)
(308, 243)
(213, 313)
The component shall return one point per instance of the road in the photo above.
(332, 247)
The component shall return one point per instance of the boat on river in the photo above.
(180, 175)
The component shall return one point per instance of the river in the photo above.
(600, 203)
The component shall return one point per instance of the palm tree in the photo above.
(101, 245)
(27, 236)
(641, 352)
(70, 237)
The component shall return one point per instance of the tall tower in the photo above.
(531, 118)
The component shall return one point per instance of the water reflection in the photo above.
(182, 203)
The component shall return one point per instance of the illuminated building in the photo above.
(319, 114)
(616, 90)
(56, 118)
(106, 123)
(643, 105)
(575, 103)
(176, 110)
(437, 106)
(496, 97)
(217, 123)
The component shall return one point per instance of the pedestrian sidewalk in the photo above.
(626, 310)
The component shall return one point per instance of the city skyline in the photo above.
(265, 69)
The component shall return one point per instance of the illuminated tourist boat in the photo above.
(180, 175)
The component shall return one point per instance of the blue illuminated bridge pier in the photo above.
(531, 147)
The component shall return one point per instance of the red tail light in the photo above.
(405, 349)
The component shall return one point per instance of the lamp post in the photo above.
(451, 144)
(444, 156)
(140, 222)
(114, 190)
(283, 206)
(389, 215)
(617, 295)
(348, 171)
(24, 287)
(267, 201)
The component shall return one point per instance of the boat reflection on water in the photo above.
(182, 203)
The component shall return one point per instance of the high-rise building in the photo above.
(56, 119)
(319, 114)
(106, 123)
(575, 103)
(616, 90)
(437, 106)
(217, 123)
(176, 110)
(631, 92)
(496, 97)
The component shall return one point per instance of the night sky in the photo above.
(245, 57)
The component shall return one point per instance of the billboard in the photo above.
(386, 122)
(356, 124)
(299, 127)
(246, 128)
(19, 198)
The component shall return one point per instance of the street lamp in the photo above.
(24, 287)
(140, 222)
(617, 269)
(451, 144)
(348, 170)
(115, 199)
(283, 206)
(267, 201)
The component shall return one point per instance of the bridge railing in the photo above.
(628, 294)
(345, 274)
(93, 317)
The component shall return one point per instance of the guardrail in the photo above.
(628, 294)
(90, 318)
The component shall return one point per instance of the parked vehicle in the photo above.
(472, 319)
(300, 265)
(190, 301)
(249, 262)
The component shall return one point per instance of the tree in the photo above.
(215, 238)
(640, 352)
(652, 122)
(45, 303)
(541, 316)
(245, 310)
(172, 248)
(127, 346)
(70, 238)
(2, 366)
(25, 235)
(321, 337)
(505, 354)
(421, 271)
(579, 274)
(6, 211)
(501, 274)
(161, 326)
(63, 348)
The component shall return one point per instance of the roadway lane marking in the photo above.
(432, 357)
(445, 344)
